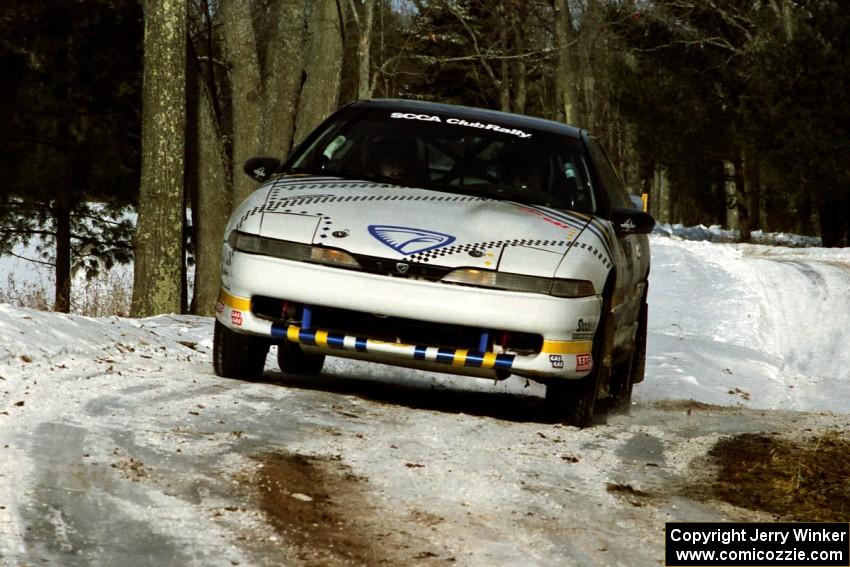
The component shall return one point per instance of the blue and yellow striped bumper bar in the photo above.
(453, 357)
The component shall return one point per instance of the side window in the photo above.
(612, 185)
(574, 171)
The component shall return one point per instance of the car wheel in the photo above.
(573, 401)
(236, 355)
(639, 360)
(630, 372)
(293, 360)
(620, 391)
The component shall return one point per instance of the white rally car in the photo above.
(445, 238)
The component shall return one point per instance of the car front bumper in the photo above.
(566, 350)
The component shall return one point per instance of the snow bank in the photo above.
(715, 233)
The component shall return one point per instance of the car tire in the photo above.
(630, 372)
(236, 355)
(293, 360)
(620, 390)
(573, 402)
(639, 359)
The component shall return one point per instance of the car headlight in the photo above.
(253, 244)
(518, 282)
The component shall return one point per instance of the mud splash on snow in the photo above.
(317, 505)
(798, 480)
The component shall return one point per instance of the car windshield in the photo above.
(446, 153)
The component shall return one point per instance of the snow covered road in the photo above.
(118, 445)
(760, 326)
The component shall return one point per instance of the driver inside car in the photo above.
(397, 160)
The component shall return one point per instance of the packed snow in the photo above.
(119, 445)
(760, 326)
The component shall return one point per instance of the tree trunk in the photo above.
(752, 179)
(565, 73)
(323, 67)
(784, 12)
(805, 208)
(742, 199)
(158, 240)
(588, 84)
(504, 67)
(664, 199)
(284, 78)
(62, 218)
(211, 207)
(676, 213)
(591, 61)
(520, 81)
(364, 44)
(730, 191)
(246, 90)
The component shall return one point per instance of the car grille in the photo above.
(396, 329)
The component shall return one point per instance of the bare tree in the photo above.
(264, 79)
(566, 77)
(322, 67)
(158, 241)
(212, 202)
(279, 77)
(520, 69)
(364, 45)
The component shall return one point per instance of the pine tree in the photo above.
(69, 154)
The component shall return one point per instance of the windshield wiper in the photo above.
(356, 176)
(504, 192)
(308, 170)
(485, 190)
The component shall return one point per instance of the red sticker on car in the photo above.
(571, 231)
(236, 318)
(583, 362)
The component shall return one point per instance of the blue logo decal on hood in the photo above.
(407, 241)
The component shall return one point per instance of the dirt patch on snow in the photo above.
(320, 507)
(799, 480)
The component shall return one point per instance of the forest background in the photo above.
(728, 112)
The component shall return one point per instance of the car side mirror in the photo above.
(627, 220)
(261, 168)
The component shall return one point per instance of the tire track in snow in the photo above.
(808, 325)
(740, 324)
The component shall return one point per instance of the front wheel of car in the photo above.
(639, 363)
(236, 355)
(620, 390)
(291, 359)
(573, 402)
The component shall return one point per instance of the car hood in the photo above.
(413, 225)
